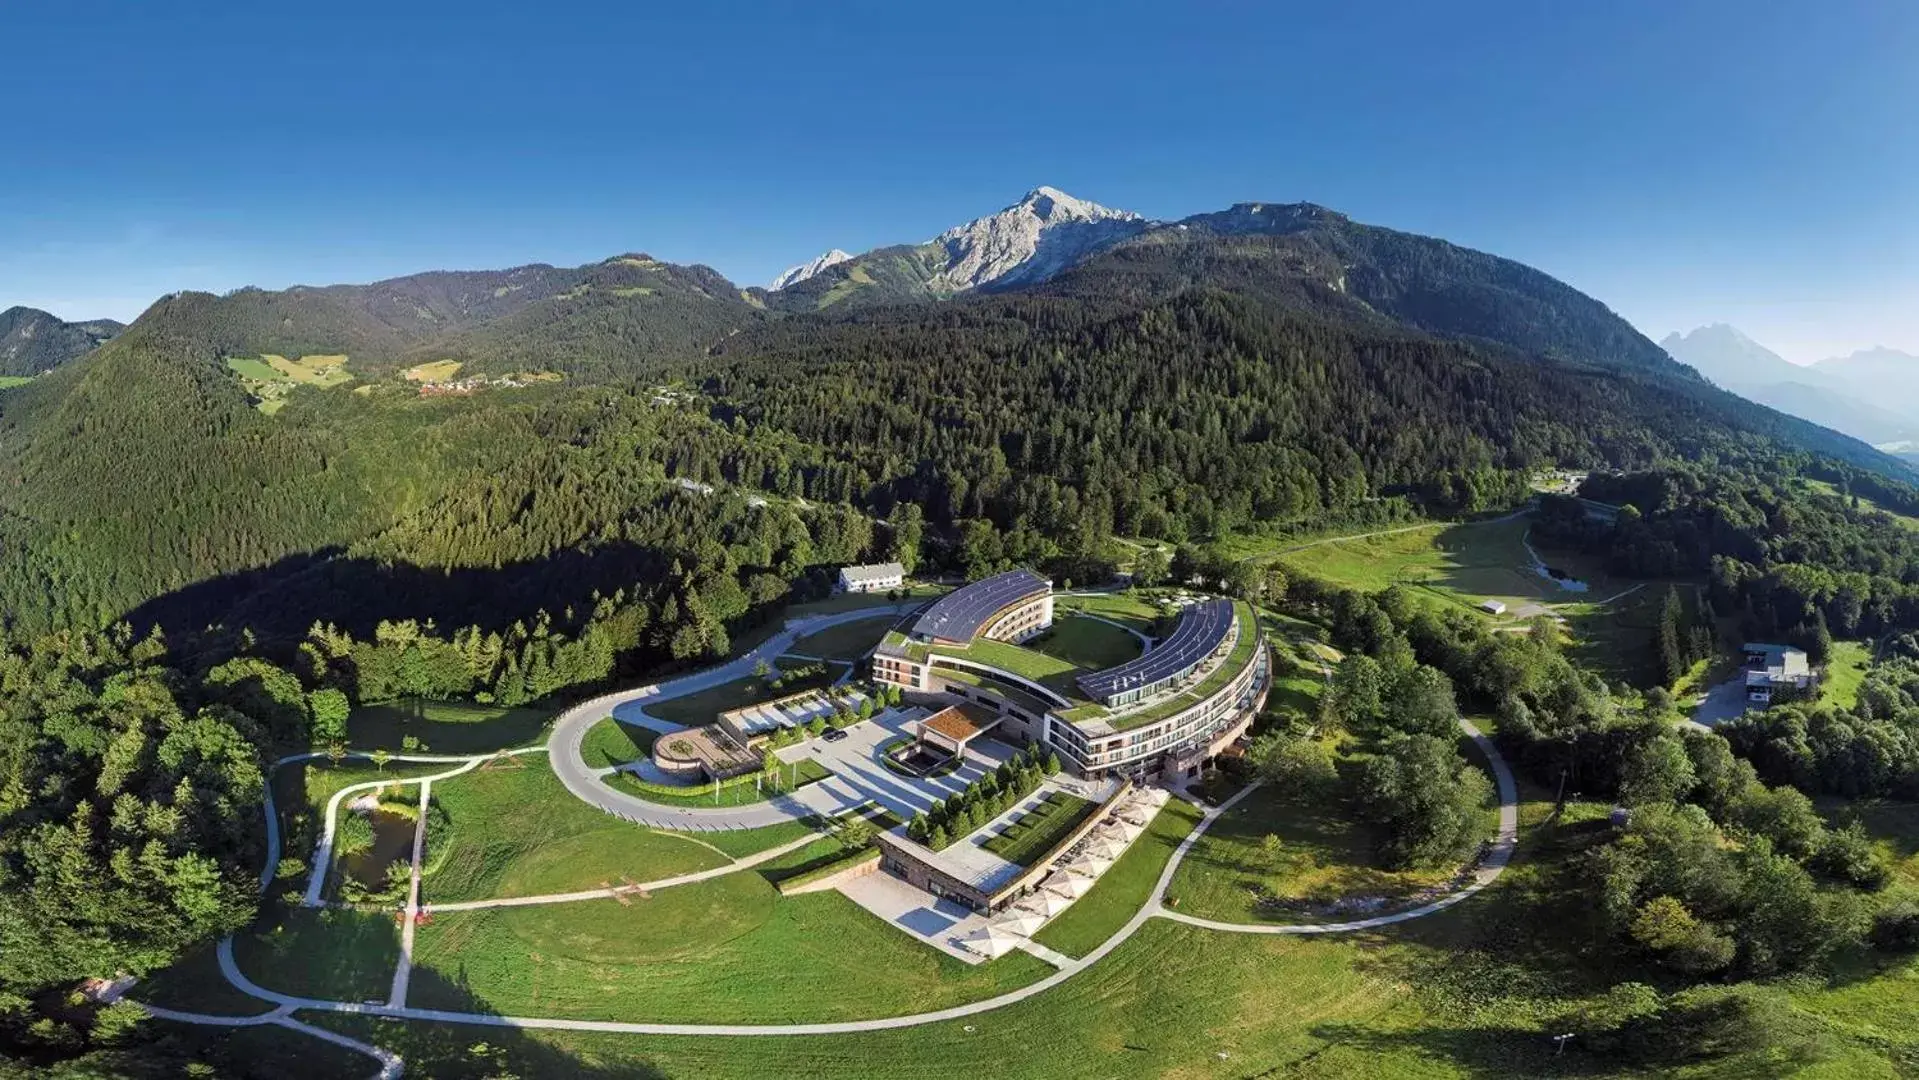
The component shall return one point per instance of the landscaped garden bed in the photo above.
(1037, 831)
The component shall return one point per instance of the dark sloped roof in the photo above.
(1201, 628)
(961, 614)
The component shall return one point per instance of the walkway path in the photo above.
(403, 971)
(390, 1064)
(582, 781)
(1495, 864)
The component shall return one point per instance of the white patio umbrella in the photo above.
(1089, 865)
(1133, 814)
(1070, 884)
(1109, 846)
(1016, 922)
(1127, 831)
(989, 942)
(1047, 904)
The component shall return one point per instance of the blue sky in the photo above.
(1686, 161)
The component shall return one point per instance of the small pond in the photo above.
(392, 842)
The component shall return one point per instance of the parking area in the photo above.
(855, 764)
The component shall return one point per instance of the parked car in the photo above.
(834, 734)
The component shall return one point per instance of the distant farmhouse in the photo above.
(874, 577)
(1775, 673)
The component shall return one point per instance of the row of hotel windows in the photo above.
(1203, 720)
(1029, 615)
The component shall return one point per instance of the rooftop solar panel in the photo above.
(961, 614)
(1201, 628)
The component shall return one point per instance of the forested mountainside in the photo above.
(1225, 375)
(32, 341)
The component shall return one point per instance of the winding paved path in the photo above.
(572, 726)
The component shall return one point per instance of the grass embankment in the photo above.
(1035, 832)
(610, 742)
(1124, 887)
(516, 831)
(703, 707)
(1122, 607)
(847, 641)
(446, 727)
(743, 790)
(1845, 672)
(728, 950)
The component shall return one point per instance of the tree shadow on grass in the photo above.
(479, 1050)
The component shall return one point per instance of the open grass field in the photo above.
(1122, 607)
(847, 641)
(610, 742)
(518, 832)
(321, 371)
(1087, 643)
(725, 950)
(195, 984)
(1322, 856)
(1033, 833)
(333, 953)
(1122, 888)
(446, 727)
(693, 710)
(1845, 671)
(1467, 994)
(1826, 488)
(8, 382)
(1462, 564)
(739, 843)
(432, 371)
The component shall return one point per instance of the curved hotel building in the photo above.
(1163, 713)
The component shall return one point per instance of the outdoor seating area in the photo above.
(1074, 873)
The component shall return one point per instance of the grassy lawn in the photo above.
(518, 832)
(847, 641)
(1462, 564)
(446, 727)
(432, 371)
(1124, 887)
(8, 382)
(1034, 832)
(1322, 856)
(610, 742)
(1049, 671)
(739, 843)
(332, 953)
(1122, 607)
(1845, 671)
(693, 710)
(300, 793)
(743, 792)
(725, 950)
(1087, 643)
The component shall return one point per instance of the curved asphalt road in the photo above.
(584, 781)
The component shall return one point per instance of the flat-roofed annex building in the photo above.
(872, 577)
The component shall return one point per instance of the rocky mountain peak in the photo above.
(793, 275)
(1031, 240)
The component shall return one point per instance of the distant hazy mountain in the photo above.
(1737, 363)
(1886, 376)
(32, 341)
(796, 274)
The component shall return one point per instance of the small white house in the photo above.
(1493, 607)
(875, 577)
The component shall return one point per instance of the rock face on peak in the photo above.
(32, 341)
(796, 274)
(1029, 241)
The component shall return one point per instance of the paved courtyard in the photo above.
(939, 923)
(858, 775)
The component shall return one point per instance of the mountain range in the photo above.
(1871, 395)
(32, 341)
(1054, 372)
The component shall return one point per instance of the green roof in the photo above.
(1242, 654)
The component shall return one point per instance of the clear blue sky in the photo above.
(1686, 161)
